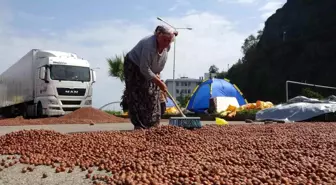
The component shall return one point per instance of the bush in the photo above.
(116, 113)
(248, 112)
(307, 92)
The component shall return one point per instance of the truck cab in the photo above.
(63, 83)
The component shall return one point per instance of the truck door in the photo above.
(41, 85)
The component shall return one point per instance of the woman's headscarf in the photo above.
(165, 30)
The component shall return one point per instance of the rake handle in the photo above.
(178, 107)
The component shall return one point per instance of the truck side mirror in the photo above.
(94, 77)
(42, 73)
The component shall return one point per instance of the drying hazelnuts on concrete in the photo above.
(81, 116)
(300, 153)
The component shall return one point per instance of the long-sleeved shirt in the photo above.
(145, 55)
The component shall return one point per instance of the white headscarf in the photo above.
(165, 30)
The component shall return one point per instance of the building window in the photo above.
(177, 91)
(189, 83)
(177, 84)
(189, 91)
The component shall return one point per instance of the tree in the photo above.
(116, 69)
(221, 75)
(241, 73)
(259, 34)
(251, 42)
(307, 92)
(305, 55)
(183, 99)
(248, 47)
(213, 69)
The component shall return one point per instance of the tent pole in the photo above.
(286, 91)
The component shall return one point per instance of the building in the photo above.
(183, 86)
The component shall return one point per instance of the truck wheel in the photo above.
(39, 110)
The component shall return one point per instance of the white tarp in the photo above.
(222, 103)
(298, 109)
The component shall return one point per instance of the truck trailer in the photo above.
(46, 83)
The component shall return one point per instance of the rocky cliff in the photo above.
(299, 44)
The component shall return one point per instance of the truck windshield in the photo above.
(69, 73)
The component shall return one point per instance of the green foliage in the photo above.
(248, 112)
(251, 74)
(123, 103)
(259, 34)
(241, 115)
(117, 113)
(183, 100)
(213, 69)
(299, 49)
(222, 75)
(116, 67)
(250, 42)
(305, 55)
(247, 48)
(307, 92)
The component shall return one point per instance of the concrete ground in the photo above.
(70, 128)
(13, 176)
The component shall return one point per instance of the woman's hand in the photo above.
(163, 86)
(160, 83)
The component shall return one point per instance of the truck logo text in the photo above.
(71, 91)
(54, 62)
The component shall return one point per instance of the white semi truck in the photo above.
(46, 83)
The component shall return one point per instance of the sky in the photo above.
(96, 31)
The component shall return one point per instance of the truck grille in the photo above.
(68, 109)
(71, 102)
(70, 92)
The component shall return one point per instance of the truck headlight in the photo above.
(53, 102)
(90, 92)
(88, 102)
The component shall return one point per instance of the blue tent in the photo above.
(211, 88)
(170, 103)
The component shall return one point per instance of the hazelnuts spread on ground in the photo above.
(300, 153)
